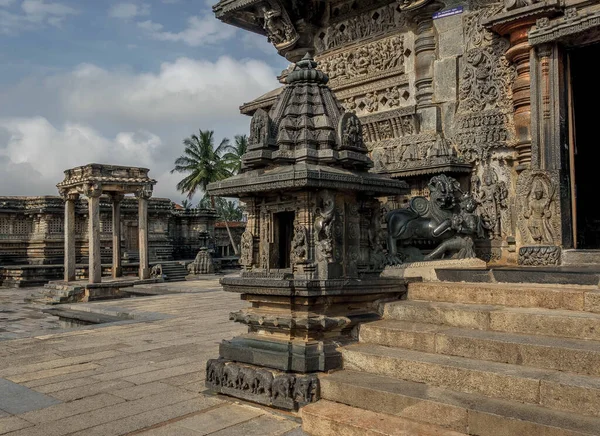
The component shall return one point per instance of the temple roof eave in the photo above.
(303, 176)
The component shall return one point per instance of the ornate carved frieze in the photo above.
(476, 35)
(365, 25)
(539, 255)
(572, 23)
(261, 385)
(300, 244)
(368, 62)
(478, 133)
(538, 207)
(324, 225)
(390, 125)
(425, 153)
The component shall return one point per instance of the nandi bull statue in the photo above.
(448, 217)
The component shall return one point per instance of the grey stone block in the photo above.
(17, 399)
(446, 83)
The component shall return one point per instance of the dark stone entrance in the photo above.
(586, 147)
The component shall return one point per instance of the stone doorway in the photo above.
(285, 232)
(132, 243)
(584, 149)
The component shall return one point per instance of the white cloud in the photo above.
(34, 14)
(127, 11)
(50, 149)
(118, 116)
(199, 31)
(184, 90)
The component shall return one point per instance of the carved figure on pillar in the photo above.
(538, 212)
(247, 249)
(492, 196)
(324, 227)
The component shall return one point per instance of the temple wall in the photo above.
(32, 232)
(434, 96)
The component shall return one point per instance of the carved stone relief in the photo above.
(324, 225)
(350, 132)
(377, 59)
(277, 25)
(539, 255)
(368, 24)
(491, 193)
(538, 207)
(483, 121)
(509, 5)
(261, 385)
(573, 24)
(300, 244)
(247, 249)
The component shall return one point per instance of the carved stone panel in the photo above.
(367, 24)
(538, 208)
(371, 61)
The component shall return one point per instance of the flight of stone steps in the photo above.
(488, 359)
(174, 271)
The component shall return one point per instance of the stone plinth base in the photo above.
(260, 385)
(427, 270)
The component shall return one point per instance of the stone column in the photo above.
(143, 195)
(69, 228)
(116, 235)
(93, 193)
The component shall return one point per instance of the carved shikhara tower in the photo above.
(311, 252)
(476, 89)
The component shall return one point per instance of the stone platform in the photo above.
(145, 376)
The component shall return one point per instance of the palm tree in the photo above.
(202, 162)
(234, 154)
(186, 204)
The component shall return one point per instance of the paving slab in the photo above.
(20, 399)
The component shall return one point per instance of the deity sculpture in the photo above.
(492, 195)
(538, 212)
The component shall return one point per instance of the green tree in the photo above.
(186, 204)
(234, 153)
(202, 163)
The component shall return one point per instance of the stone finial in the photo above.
(306, 71)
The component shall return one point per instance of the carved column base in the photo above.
(261, 385)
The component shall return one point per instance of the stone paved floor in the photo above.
(137, 378)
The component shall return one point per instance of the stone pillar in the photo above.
(143, 195)
(425, 44)
(95, 262)
(69, 228)
(425, 56)
(116, 235)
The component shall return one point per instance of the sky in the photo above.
(119, 82)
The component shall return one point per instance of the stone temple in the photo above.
(422, 249)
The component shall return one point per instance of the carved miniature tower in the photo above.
(311, 253)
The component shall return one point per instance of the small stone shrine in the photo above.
(311, 253)
(93, 180)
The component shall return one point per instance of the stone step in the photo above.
(547, 322)
(547, 388)
(568, 355)
(466, 413)
(568, 275)
(564, 297)
(326, 418)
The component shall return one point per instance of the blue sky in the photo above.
(118, 82)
